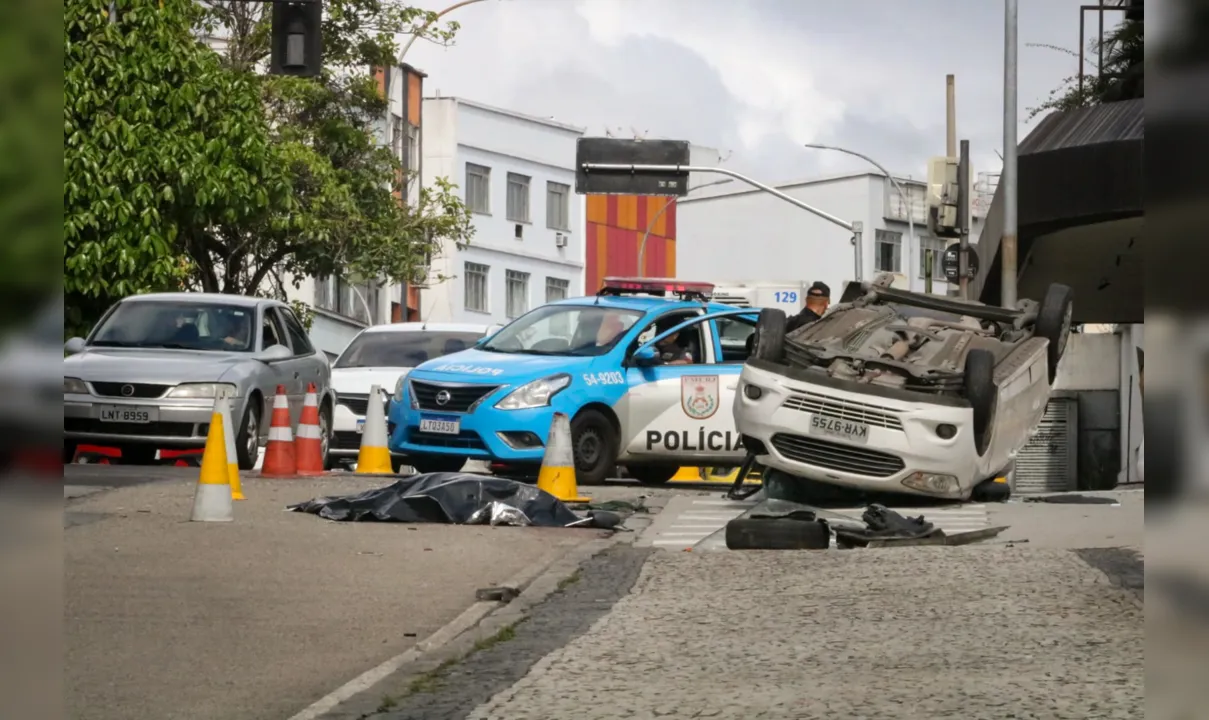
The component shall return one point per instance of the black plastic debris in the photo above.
(881, 524)
(1073, 499)
(453, 498)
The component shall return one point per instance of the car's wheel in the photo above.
(991, 491)
(325, 433)
(594, 446)
(69, 451)
(769, 343)
(981, 392)
(425, 464)
(1054, 322)
(652, 474)
(247, 442)
(138, 454)
(777, 534)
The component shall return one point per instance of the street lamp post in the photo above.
(902, 194)
(651, 224)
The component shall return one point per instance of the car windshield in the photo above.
(178, 325)
(580, 330)
(403, 349)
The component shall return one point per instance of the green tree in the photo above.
(1121, 78)
(161, 142)
(348, 221)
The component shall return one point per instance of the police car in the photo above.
(646, 370)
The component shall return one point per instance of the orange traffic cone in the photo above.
(279, 453)
(308, 446)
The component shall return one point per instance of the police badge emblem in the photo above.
(699, 396)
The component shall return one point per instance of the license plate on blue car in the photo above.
(443, 424)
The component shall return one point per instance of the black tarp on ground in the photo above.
(450, 498)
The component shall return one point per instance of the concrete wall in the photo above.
(458, 132)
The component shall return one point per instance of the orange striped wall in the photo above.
(614, 228)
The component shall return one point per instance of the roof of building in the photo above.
(549, 122)
(742, 188)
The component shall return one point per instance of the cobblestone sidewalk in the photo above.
(969, 633)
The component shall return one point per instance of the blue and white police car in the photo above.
(646, 370)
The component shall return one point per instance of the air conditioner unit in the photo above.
(560, 240)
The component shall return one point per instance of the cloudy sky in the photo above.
(755, 79)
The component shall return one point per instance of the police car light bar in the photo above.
(617, 285)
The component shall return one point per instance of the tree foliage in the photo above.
(190, 168)
(1121, 77)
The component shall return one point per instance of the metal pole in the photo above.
(950, 116)
(721, 171)
(1008, 247)
(425, 26)
(929, 261)
(1082, 40)
(902, 195)
(650, 225)
(963, 219)
(858, 252)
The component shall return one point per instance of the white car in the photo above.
(900, 392)
(381, 355)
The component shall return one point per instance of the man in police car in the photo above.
(818, 298)
(671, 353)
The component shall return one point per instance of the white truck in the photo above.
(787, 296)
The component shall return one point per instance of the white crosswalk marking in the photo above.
(699, 522)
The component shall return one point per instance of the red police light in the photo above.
(656, 285)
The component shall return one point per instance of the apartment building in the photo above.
(516, 173)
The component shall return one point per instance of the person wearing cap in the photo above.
(818, 298)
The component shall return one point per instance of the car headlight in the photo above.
(400, 388)
(75, 386)
(201, 390)
(535, 394)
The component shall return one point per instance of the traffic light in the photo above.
(297, 38)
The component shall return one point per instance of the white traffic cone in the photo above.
(212, 500)
(374, 456)
(229, 430)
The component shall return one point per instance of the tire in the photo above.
(69, 451)
(325, 433)
(137, 454)
(769, 344)
(980, 391)
(777, 534)
(1054, 322)
(247, 442)
(990, 491)
(425, 464)
(652, 474)
(594, 446)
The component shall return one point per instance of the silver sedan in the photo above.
(146, 377)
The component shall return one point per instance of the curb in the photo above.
(480, 621)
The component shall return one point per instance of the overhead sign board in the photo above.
(635, 167)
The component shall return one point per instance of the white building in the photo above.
(516, 173)
(780, 242)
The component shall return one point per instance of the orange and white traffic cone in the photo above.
(308, 446)
(279, 459)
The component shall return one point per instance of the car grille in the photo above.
(139, 390)
(358, 404)
(465, 440)
(834, 456)
(844, 410)
(346, 440)
(461, 397)
(163, 429)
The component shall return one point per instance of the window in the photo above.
(516, 287)
(887, 251)
(478, 188)
(558, 210)
(179, 324)
(580, 330)
(270, 331)
(379, 348)
(476, 287)
(937, 246)
(518, 198)
(556, 289)
(688, 339)
(733, 333)
(358, 301)
(293, 328)
(396, 137)
(412, 164)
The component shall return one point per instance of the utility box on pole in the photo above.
(296, 38)
(944, 193)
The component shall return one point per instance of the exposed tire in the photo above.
(1054, 322)
(425, 464)
(247, 442)
(325, 433)
(990, 491)
(652, 474)
(769, 344)
(981, 392)
(594, 446)
(777, 534)
(138, 454)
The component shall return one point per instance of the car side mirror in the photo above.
(645, 357)
(74, 345)
(275, 353)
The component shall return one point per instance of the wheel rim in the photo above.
(588, 448)
(252, 439)
(324, 440)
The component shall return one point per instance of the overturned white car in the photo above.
(895, 391)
